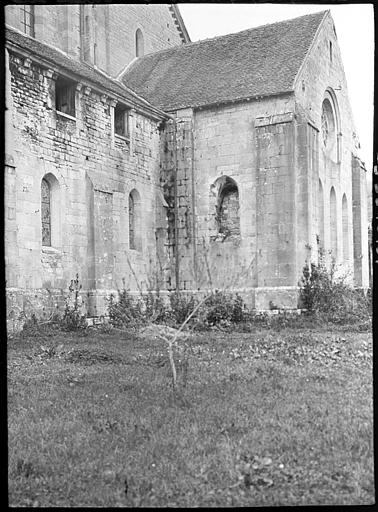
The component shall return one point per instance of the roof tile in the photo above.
(257, 62)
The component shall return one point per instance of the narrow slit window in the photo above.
(131, 223)
(46, 212)
(330, 51)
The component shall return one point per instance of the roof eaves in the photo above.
(144, 105)
(241, 99)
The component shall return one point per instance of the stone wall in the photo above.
(102, 34)
(274, 150)
(360, 232)
(251, 144)
(322, 72)
(154, 20)
(94, 171)
(56, 25)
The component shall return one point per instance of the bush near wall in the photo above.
(330, 298)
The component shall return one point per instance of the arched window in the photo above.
(135, 240)
(321, 215)
(345, 229)
(46, 212)
(139, 43)
(333, 222)
(50, 211)
(228, 209)
(224, 209)
(330, 126)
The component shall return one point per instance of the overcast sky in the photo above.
(355, 33)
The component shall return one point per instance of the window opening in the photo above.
(328, 125)
(65, 96)
(27, 19)
(227, 216)
(121, 120)
(46, 212)
(131, 223)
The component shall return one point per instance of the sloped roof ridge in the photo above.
(201, 41)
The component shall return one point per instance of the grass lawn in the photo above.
(262, 418)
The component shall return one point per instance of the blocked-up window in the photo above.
(321, 216)
(333, 222)
(65, 96)
(139, 43)
(27, 19)
(121, 120)
(228, 215)
(46, 212)
(345, 223)
(135, 240)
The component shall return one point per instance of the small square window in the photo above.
(121, 121)
(65, 96)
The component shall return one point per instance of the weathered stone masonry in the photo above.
(102, 34)
(257, 153)
(95, 172)
(300, 188)
(176, 180)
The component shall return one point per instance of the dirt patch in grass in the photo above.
(262, 418)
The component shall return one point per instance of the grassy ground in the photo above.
(262, 418)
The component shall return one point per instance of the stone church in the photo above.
(137, 158)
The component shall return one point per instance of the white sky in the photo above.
(354, 25)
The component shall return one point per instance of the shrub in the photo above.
(223, 309)
(40, 328)
(73, 318)
(239, 310)
(125, 311)
(181, 306)
(329, 297)
(155, 308)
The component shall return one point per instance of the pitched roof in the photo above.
(257, 62)
(59, 60)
